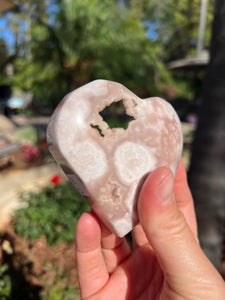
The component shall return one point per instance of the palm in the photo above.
(109, 269)
(141, 273)
(124, 274)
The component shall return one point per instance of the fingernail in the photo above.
(165, 189)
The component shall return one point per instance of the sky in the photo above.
(7, 35)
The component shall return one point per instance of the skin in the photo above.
(166, 262)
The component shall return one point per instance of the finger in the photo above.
(91, 268)
(139, 237)
(184, 198)
(174, 244)
(185, 203)
(114, 248)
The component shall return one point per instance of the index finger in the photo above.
(91, 268)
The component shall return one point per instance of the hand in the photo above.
(166, 262)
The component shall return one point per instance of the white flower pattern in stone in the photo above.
(133, 161)
(88, 160)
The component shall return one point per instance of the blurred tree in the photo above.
(207, 170)
(5, 59)
(88, 39)
(3, 52)
(175, 24)
(70, 42)
(175, 27)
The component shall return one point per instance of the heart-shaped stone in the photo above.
(106, 165)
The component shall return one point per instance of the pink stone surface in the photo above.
(109, 168)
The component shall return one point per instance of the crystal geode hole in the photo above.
(115, 116)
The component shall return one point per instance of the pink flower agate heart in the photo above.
(106, 165)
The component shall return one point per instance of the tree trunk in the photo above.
(207, 170)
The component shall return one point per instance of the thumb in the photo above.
(179, 254)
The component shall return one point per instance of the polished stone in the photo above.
(107, 165)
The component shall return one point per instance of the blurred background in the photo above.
(171, 49)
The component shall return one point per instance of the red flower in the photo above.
(56, 179)
(31, 152)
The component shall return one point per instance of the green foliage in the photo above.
(5, 283)
(56, 285)
(29, 113)
(177, 24)
(89, 39)
(116, 122)
(61, 45)
(52, 212)
(28, 134)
